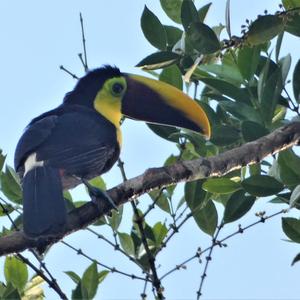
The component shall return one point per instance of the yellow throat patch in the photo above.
(108, 104)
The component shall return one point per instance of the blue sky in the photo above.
(37, 37)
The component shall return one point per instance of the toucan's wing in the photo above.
(35, 134)
(79, 142)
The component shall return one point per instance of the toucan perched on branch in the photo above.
(81, 138)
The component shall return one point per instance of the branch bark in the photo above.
(249, 153)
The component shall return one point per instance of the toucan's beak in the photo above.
(154, 101)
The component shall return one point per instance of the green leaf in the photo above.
(98, 182)
(296, 82)
(296, 259)
(171, 160)
(264, 29)
(160, 231)
(202, 12)
(115, 219)
(126, 243)
(76, 278)
(6, 209)
(153, 30)
(287, 160)
(11, 293)
(197, 140)
(2, 160)
(90, 281)
(289, 4)
(292, 25)
(161, 200)
(77, 292)
(172, 9)
(174, 34)
(189, 13)
(101, 221)
(165, 132)
(269, 89)
(194, 195)
(172, 75)
(285, 64)
(291, 227)
(158, 60)
(262, 185)
(224, 71)
(102, 275)
(10, 185)
(251, 131)
(223, 135)
(278, 45)
(281, 198)
(203, 38)
(255, 169)
(227, 89)
(207, 218)
(237, 206)
(15, 272)
(221, 185)
(248, 59)
(295, 196)
(241, 111)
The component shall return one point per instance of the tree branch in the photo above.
(253, 152)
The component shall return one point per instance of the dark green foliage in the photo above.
(264, 29)
(262, 185)
(153, 30)
(159, 60)
(296, 82)
(203, 38)
(87, 285)
(207, 218)
(237, 206)
(247, 88)
(15, 272)
(291, 228)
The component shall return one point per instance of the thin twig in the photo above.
(115, 246)
(111, 269)
(151, 259)
(152, 205)
(208, 259)
(143, 294)
(69, 72)
(295, 107)
(220, 242)
(139, 221)
(52, 283)
(84, 62)
(174, 230)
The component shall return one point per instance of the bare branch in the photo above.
(253, 152)
(69, 72)
(84, 61)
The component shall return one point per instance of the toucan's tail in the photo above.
(44, 206)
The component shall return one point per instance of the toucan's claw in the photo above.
(96, 194)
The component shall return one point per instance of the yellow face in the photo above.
(108, 101)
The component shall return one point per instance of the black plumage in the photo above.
(73, 141)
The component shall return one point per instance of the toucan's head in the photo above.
(113, 94)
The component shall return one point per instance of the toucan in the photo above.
(81, 139)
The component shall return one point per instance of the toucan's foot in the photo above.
(97, 194)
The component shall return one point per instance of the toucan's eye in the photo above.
(117, 88)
